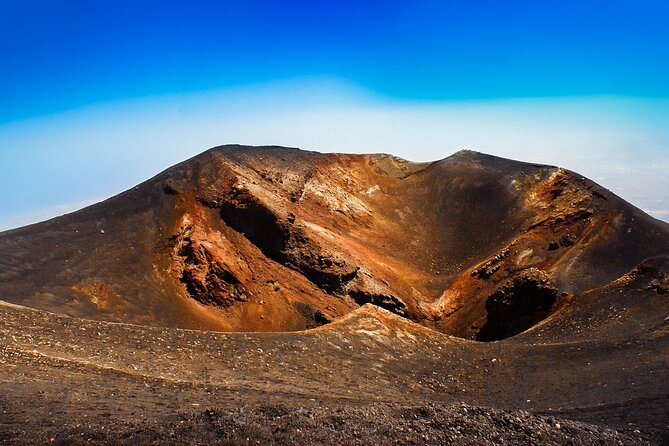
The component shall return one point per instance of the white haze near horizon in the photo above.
(59, 163)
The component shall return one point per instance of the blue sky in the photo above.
(63, 54)
(96, 96)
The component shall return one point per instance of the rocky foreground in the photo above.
(378, 424)
(372, 378)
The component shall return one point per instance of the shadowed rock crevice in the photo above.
(283, 242)
(207, 280)
(247, 215)
(387, 302)
(517, 306)
(330, 276)
(655, 270)
(313, 316)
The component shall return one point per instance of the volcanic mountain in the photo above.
(276, 239)
(571, 279)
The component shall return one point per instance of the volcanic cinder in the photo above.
(283, 296)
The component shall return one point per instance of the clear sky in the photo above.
(97, 96)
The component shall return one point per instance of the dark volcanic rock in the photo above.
(517, 306)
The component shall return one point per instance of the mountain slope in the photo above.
(275, 239)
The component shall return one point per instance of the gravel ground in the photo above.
(371, 379)
(378, 424)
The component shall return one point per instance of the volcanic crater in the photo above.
(485, 260)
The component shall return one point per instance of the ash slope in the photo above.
(276, 239)
(370, 378)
